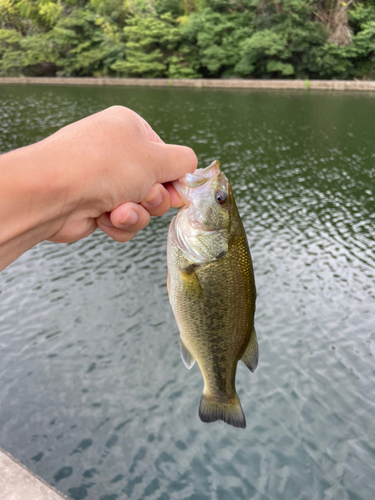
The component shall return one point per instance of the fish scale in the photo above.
(212, 293)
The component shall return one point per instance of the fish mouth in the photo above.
(195, 181)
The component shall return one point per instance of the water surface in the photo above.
(93, 395)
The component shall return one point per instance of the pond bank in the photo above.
(18, 483)
(200, 83)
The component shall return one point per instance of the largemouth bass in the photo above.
(212, 290)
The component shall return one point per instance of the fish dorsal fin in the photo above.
(186, 355)
(251, 354)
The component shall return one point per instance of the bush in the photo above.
(188, 38)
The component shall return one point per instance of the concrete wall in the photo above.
(18, 483)
(200, 83)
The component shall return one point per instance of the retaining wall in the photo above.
(199, 83)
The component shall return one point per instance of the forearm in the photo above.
(32, 198)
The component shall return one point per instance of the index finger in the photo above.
(176, 200)
(172, 162)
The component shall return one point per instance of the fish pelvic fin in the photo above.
(251, 354)
(186, 355)
(229, 411)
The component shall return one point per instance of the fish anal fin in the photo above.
(186, 355)
(229, 411)
(251, 354)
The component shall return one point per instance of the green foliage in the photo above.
(365, 45)
(284, 37)
(173, 7)
(330, 61)
(181, 66)
(360, 15)
(264, 52)
(149, 45)
(9, 15)
(44, 13)
(87, 44)
(11, 57)
(214, 39)
(39, 55)
(189, 38)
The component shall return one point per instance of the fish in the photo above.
(212, 291)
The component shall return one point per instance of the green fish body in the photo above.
(212, 290)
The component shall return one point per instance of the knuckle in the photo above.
(118, 116)
(116, 110)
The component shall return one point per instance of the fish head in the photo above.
(204, 222)
(208, 197)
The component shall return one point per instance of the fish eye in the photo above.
(221, 197)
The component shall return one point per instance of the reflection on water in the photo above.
(93, 394)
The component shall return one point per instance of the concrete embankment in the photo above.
(199, 83)
(18, 483)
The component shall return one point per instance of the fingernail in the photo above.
(154, 200)
(130, 219)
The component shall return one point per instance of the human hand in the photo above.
(109, 170)
(125, 169)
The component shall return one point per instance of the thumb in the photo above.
(172, 162)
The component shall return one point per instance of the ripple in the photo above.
(88, 340)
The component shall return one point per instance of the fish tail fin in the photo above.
(229, 411)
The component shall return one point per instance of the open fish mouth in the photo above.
(196, 181)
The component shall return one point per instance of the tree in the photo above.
(149, 45)
(189, 38)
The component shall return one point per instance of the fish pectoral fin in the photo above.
(191, 282)
(251, 354)
(229, 411)
(186, 355)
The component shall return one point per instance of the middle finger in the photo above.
(157, 201)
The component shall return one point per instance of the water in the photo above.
(93, 395)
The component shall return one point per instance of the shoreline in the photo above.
(17, 482)
(336, 85)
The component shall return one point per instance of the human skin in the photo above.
(109, 170)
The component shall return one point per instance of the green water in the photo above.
(93, 395)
